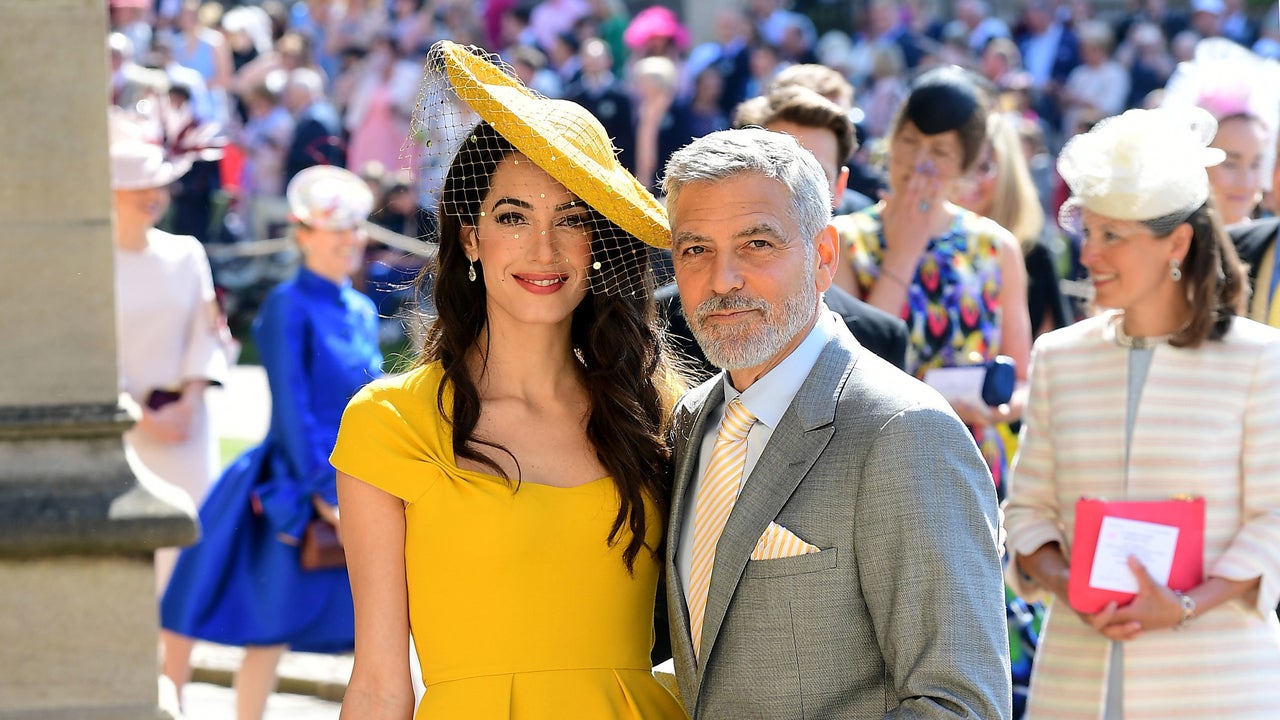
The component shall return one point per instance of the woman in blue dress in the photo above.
(243, 582)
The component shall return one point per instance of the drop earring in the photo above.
(471, 270)
(1175, 272)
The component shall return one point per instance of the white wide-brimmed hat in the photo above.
(140, 165)
(1142, 165)
(325, 197)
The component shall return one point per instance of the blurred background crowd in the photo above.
(256, 91)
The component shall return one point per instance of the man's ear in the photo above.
(827, 244)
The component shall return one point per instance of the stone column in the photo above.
(78, 621)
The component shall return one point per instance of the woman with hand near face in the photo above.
(1166, 393)
(957, 278)
(506, 499)
(243, 583)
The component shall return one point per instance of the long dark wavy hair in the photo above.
(1212, 274)
(625, 368)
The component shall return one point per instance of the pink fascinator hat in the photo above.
(655, 22)
(1227, 79)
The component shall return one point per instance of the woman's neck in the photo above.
(335, 276)
(131, 235)
(530, 362)
(1158, 319)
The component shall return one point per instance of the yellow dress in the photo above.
(518, 605)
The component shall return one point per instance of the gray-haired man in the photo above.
(832, 550)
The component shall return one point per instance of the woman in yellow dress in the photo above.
(506, 499)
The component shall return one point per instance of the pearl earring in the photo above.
(1175, 272)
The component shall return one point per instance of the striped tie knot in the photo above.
(737, 422)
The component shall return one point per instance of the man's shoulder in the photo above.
(877, 330)
(1251, 239)
(695, 397)
(874, 391)
(849, 307)
(690, 406)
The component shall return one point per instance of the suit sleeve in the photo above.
(1252, 552)
(897, 345)
(926, 539)
(299, 157)
(1031, 513)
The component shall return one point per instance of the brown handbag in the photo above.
(321, 548)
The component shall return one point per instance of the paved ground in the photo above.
(322, 676)
(214, 702)
(242, 408)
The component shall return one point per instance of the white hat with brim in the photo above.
(1142, 165)
(140, 165)
(325, 197)
(561, 137)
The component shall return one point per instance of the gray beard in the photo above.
(752, 344)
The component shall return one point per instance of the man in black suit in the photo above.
(1256, 243)
(317, 133)
(824, 129)
(600, 91)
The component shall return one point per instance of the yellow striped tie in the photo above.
(716, 495)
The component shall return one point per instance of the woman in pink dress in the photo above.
(381, 105)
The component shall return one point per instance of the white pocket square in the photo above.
(778, 542)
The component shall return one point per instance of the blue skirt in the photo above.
(241, 584)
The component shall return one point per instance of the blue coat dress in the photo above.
(242, 583)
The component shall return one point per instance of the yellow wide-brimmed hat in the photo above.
(561, 137)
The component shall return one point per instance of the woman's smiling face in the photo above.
(531, 244)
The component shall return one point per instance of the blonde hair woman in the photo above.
(1003, 191)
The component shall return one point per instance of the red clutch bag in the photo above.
(1155, 522)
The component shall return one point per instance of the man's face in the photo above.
(749, 283)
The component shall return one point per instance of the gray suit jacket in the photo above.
(901, 613)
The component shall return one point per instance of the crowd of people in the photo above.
(673, 281)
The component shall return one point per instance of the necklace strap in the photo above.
(1131, 342)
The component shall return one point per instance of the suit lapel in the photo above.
(689, 429)
(796, 444)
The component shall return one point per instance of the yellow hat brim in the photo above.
(561, 137)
